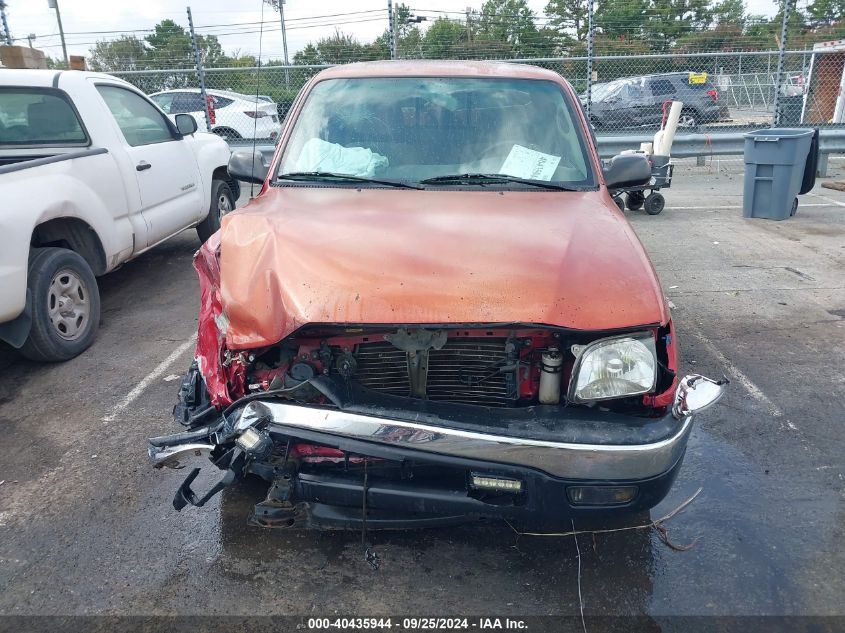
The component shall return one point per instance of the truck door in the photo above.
(164, 165)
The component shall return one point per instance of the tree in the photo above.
(730, 12)
(669, 20)
(339, 48)
(569, 18)
(621, 20)
(511, 22)
(826, 12)
(445, 39)
(169, 46)
(724, 36)
(403, 20)
(125, 53)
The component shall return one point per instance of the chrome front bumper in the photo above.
(564, 460)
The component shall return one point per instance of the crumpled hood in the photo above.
(298, 255)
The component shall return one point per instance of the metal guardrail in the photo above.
(716, 144)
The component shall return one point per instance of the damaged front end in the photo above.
(421, 425)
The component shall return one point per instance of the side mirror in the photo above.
(696, 393)
(627, 170)
(248, 166)
(186, 124)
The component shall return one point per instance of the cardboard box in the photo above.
(77, 62)
(22, 57)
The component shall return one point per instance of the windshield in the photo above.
(415, 129)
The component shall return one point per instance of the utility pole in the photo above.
(5, 25)
(787, 7)
(284, 41)
(396, 31)
(589, 57)
(391, 29)
(31, 37)
(200, 72)
(54, 4)
(469, 23)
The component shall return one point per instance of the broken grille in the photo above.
(463, 370)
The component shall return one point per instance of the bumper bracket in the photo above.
(185, 495)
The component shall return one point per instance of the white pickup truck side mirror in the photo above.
(186, 124)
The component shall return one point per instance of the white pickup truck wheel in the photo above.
(222, 201)
(65, 305)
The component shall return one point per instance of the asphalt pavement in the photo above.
(86, 526)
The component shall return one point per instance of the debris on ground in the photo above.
(838, 185)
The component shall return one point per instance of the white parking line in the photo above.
(830, 200)
(138, 389)
(753, 390)
(805, 205)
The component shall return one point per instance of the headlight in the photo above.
(614, 368)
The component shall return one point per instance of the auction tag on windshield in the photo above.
(528, 163)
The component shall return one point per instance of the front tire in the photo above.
(65, 305)
(222, 201)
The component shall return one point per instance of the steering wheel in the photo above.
(359, 124)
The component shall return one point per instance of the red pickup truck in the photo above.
(434, 312)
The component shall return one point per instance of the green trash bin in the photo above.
(775, 160)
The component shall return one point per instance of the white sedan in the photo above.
(233, 116)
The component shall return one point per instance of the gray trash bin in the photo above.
(774, 168)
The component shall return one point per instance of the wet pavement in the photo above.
(86, 526)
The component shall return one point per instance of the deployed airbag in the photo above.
(320, 155)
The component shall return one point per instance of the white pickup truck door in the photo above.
(165, 167)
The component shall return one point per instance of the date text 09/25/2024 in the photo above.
(417, 623)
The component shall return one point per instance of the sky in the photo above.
(86, 21)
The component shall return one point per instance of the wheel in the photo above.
(654, 203)
(222, 201)
(65, 305)
(688, 119)
(226, 133)
(619, 202)
(794, 209)
(634, 200)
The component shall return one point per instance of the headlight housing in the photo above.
(614, 367)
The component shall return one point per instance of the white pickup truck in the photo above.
(92, 174)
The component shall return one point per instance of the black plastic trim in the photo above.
(49, 160)
(334, 499)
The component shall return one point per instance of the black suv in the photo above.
(633, 102)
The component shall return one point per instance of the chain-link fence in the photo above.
(241, 103)
(719, 91)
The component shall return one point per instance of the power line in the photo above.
(314, 17)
